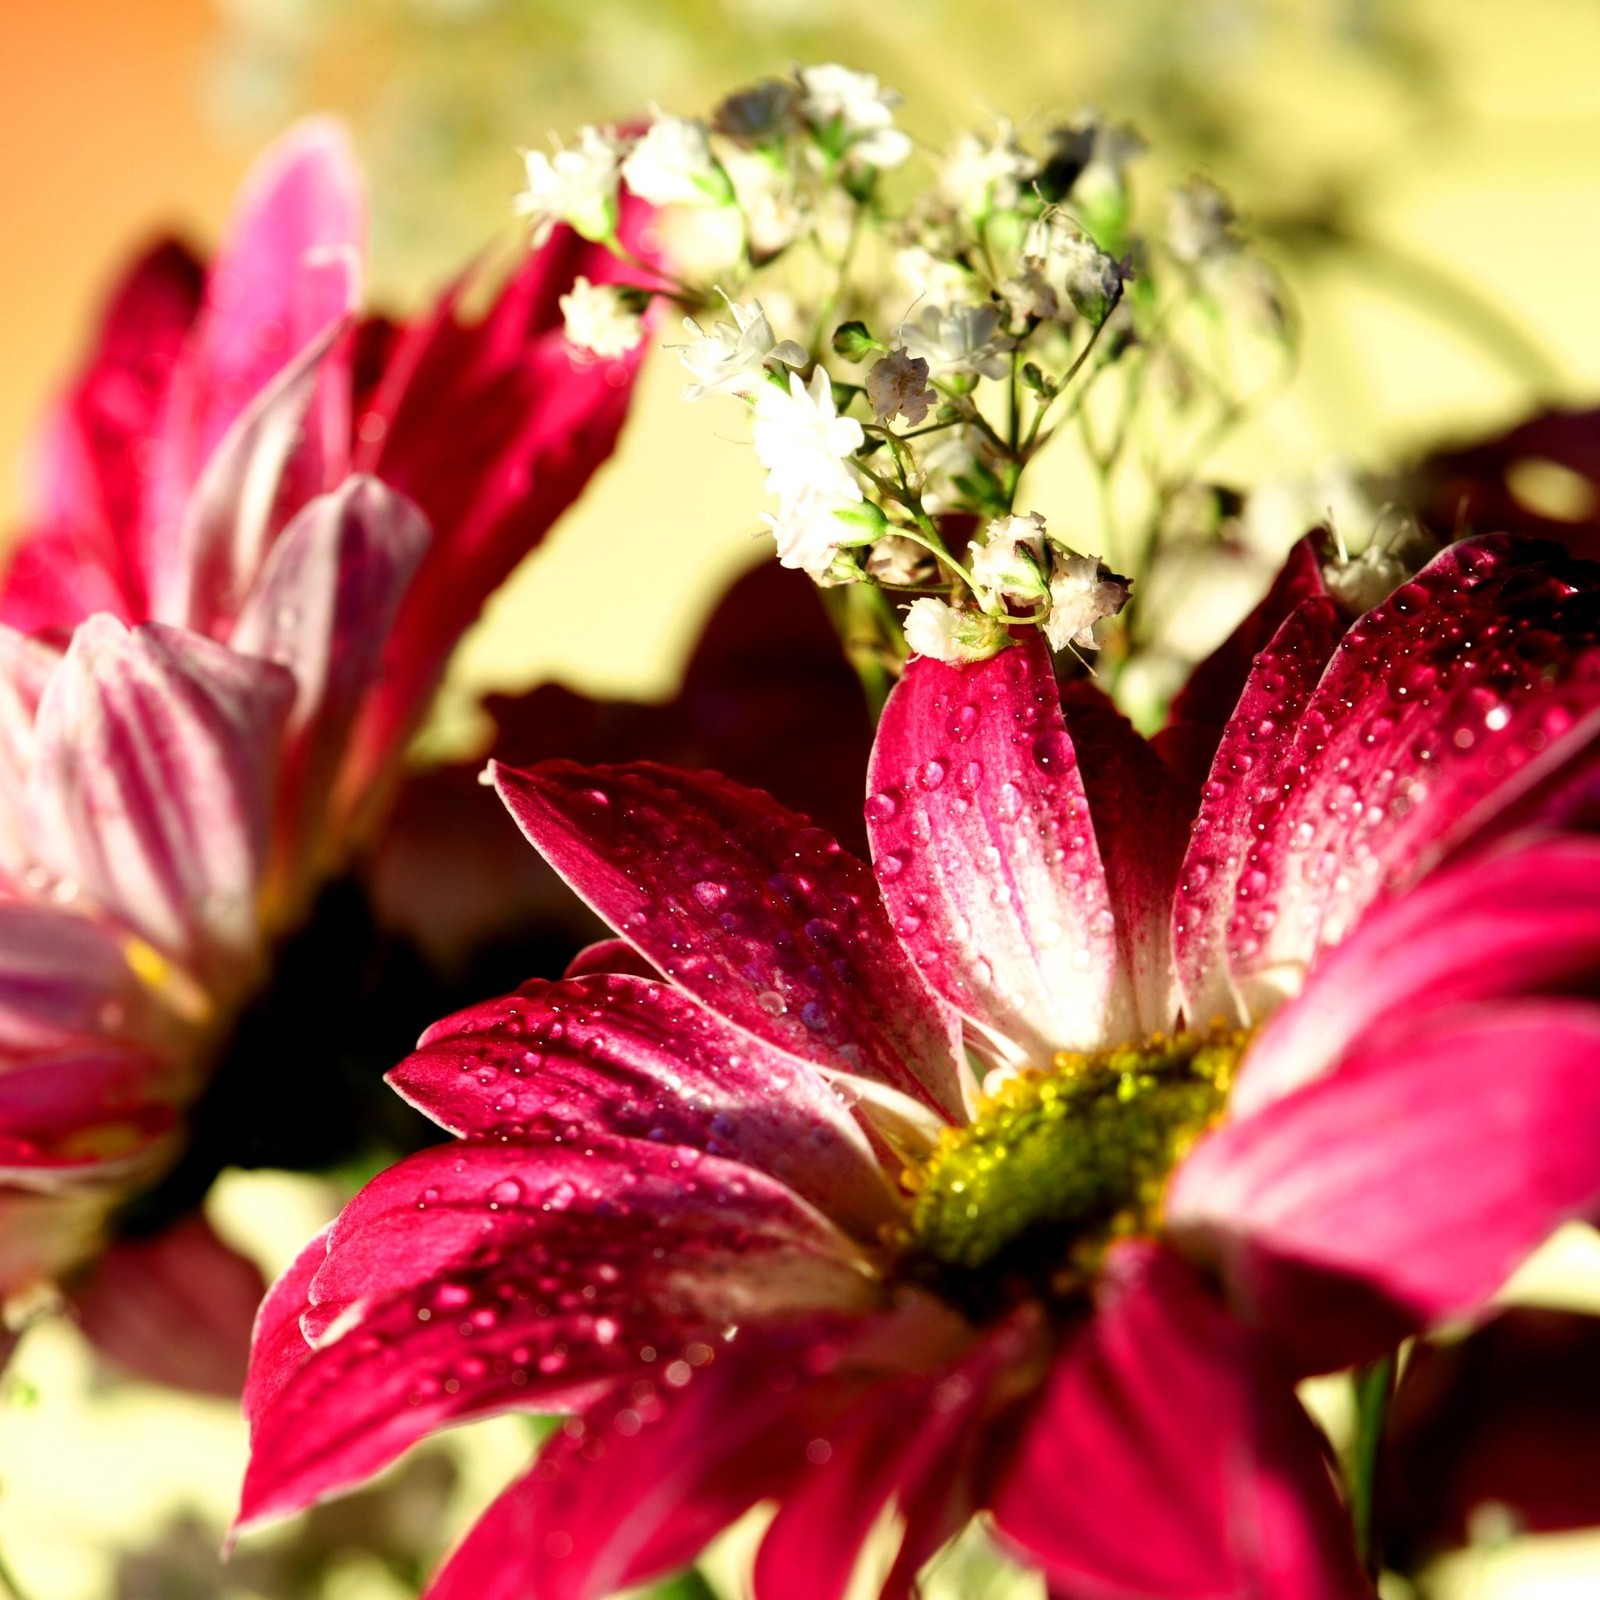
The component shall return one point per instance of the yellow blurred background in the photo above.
(1458, 145)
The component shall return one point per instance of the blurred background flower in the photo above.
(1426, 177)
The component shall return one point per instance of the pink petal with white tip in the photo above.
(1438, 710)
(637, 1059)
(756, 912)
(986, 853)
(1168, 1456)
(1253, 758)
(151, 784)
(1418, 1174)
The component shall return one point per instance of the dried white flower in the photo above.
(673, 165)
(897, 385)
(965, 340)
(856, 110)
(600, 319)
(1030, 293)
(1082, 591)
(1073, 264)
(576, 185)
(733, 359)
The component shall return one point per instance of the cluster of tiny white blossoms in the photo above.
(904, 364)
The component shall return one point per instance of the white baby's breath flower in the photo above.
(576, 185)
(854, 110)
(732, 359)
(1082, 591)
(936, 629)
(962, 341)
(802, 441)
(980, 176)
(600, 319)
(929, 275)
(897, 385)
(1012, 562)
(673, 165)
(1030, 293)
(808, 530)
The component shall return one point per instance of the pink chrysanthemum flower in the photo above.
(1283, 1066)
(259, 524)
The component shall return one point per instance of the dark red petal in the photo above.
(175, 1309)
(476, 1278)
(1168, 1456)
(492, 427)
(1410, 1182)
(638, 1059)
(757, 913)
(1202, 708)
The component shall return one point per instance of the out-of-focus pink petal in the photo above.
(1168, 1456)
(95, 1113)
(1490, 1124)
(1141, 814)
(1524, 920)
(1203, 707)
(89, 473)
(242, 499)
(174, 1309)
(278, 1348)
(477, 1278)
(26, 665)
(638, 1486)
(492, 427)
(287, 276)
(986, 853)
(65, 979)
(641, 1060)
(1253, 757)
(151, 783)
(322, 608)
(752, 909)
(1441, 707)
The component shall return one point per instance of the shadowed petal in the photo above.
(757, 913)
(1440, 708)
(278, 1347)
(638, 1059)
(1490, 1120)
(983, 845)
(151, 782)
(476, 1278)
(1168, 1456)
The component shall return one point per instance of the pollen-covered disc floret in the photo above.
(1057, 1163)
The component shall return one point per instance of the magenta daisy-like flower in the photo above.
(1282, 1063)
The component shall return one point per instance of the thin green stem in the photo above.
(9, 1583)
(1374, 1388)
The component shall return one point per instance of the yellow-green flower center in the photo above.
(1058, 1163)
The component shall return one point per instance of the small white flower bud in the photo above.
(599, 318)
(577, 186)
(936, 629)
(673, 165)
